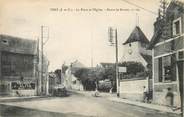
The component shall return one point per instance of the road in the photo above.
(75, 105)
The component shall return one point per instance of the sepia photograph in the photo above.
(92, 58)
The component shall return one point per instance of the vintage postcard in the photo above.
(91, 58)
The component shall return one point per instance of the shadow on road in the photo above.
(14, 111)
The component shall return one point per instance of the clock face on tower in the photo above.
(130, 51)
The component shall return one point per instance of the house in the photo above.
(18, 59)
(167, 46)
(70, 81)
(20, 68)
(135, 48)
(135, 51)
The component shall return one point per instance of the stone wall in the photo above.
(133, 89)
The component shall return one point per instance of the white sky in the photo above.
(76, 35)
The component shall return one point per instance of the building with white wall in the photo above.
(134, 48)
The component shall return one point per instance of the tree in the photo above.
(110, 74)
(81, 74)
(89, 77)
(133, 69)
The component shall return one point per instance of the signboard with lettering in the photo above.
(22, 86)
(122, 69)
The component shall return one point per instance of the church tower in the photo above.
(135, 48)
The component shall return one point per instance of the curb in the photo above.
(170, 114)
(161, 111)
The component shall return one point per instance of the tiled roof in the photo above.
(136, 35)
(17, 45)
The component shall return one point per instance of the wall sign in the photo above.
(22, 86)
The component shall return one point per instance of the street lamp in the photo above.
(114, 42)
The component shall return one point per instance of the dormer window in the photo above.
(177, 27)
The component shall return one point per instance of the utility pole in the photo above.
(42, 80)
(113, 37)
(117, 73)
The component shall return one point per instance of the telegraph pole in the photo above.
(117, 73)
(44, 35)
(41, 79)
(113, 37)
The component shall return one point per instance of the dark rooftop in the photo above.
(18, 45)
(136, 35)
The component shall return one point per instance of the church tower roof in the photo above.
(137, 35)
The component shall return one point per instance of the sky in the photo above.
(78, 29)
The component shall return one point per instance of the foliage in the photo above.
(89, 74)
(89, 77)
(110, 73)
(133, 68)
(81, 74)
(57, 72)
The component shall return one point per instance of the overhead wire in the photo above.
(150, 11)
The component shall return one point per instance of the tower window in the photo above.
(130, 44)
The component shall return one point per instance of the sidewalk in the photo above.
(112, 97)
(146, 105)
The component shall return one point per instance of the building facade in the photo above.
(17, 66)
(135, 48)
(20, 67)
(70, 81)
(167, 46)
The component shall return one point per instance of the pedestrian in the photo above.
(110, 91)
(97, 92)
(170, 98)
(145, 97)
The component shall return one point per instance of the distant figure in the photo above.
(170, 98)
(18, 93)
(110, 91)
(97, 93)
(145, 96)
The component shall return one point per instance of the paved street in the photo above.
(76, 105)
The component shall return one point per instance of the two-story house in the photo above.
(167, 46)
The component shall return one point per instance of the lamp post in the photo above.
(114, 41)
